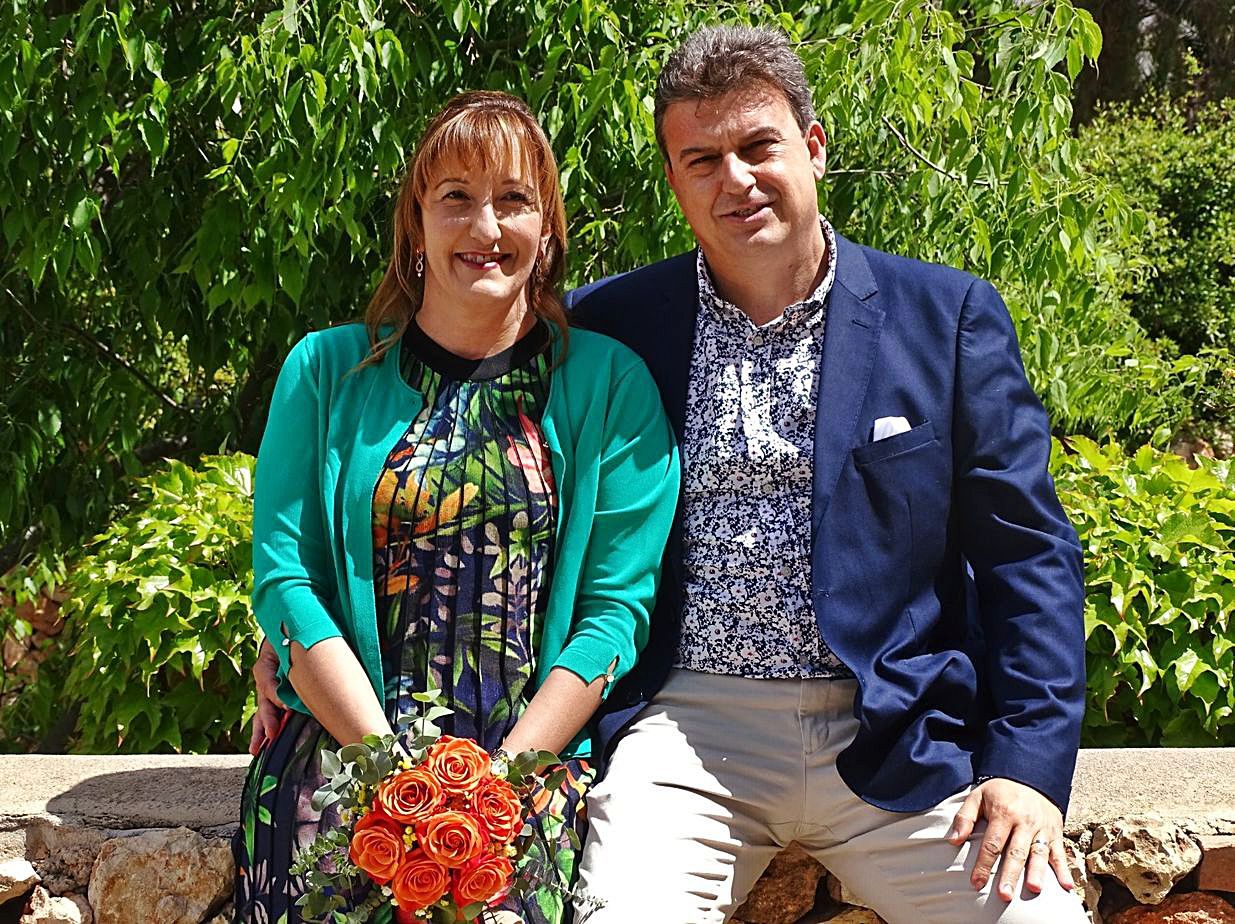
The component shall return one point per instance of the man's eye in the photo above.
(702, 161)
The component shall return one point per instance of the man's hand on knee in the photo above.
(266, 686)
(1022, 826)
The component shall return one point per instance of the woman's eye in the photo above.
(515, 196)
(456, 194)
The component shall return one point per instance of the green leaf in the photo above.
(154, 136)
(152, 56)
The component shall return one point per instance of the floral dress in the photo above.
(463, 525)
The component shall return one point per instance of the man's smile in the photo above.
(748, 212)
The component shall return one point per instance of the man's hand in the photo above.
(1021, 825)
(265, 681)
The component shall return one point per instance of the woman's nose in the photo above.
(485, 228)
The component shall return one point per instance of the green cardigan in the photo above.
(330, 430)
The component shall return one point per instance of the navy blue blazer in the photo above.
(944, 572)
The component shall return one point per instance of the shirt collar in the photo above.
(809, 308)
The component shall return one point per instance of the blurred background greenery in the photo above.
(193, 186)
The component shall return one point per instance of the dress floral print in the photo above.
(747, 464)
(463, 522)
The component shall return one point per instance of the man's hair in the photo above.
(718, 59)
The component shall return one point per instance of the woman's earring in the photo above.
(420, 264)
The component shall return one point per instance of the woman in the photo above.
(456, 494)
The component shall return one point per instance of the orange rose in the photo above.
(496, 803)
(419, 882)
(486, 879)
(410, 796)
(458, 763)
(452, 838)
(377, 846)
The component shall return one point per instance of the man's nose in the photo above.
(736, 175)
(485, 228)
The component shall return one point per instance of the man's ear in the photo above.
(668, 168)
(817, 147)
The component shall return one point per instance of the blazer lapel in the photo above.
(850, 338)
(669, 354)
(670, 347)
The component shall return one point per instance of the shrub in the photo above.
(30, 712)
(1159, 543)
(1180, 167)
(158, 617)
(162, 635)
(1177, 161)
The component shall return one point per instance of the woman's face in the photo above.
(482, 235)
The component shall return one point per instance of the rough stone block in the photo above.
(17, 877)
(161, 877)
(1087, 886)
(1185, 908)
(787, 890)
(1217, 870)
(64, 855)
(1147, 855)
(856, 916)
(45, 908)
(841, 895)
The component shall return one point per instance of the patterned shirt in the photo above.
(747, 469)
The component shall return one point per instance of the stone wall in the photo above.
(118, 840)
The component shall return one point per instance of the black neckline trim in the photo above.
(418, 344)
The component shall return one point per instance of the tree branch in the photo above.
(110, 355)
(867, 171)
(918, 154)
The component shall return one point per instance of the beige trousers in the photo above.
(719, 773)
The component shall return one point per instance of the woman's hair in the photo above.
(485, 130)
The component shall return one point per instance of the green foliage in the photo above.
(1180, 168)
(1178, 162)
(29, 711)
(190, 187)
(158, 614)
(1159, 544)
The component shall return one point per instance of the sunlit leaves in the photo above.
(158, 617)
(188, 188)
(1159, 545)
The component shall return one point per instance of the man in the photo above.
(872, 598)
(868, 638)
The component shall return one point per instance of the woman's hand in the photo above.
(266, 691)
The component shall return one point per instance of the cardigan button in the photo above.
(286, 642)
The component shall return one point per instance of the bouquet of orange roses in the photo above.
(430, 832)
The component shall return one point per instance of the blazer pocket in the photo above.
(897, 445)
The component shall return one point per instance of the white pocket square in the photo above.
(888, 426)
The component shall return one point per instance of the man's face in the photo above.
(744, 173)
